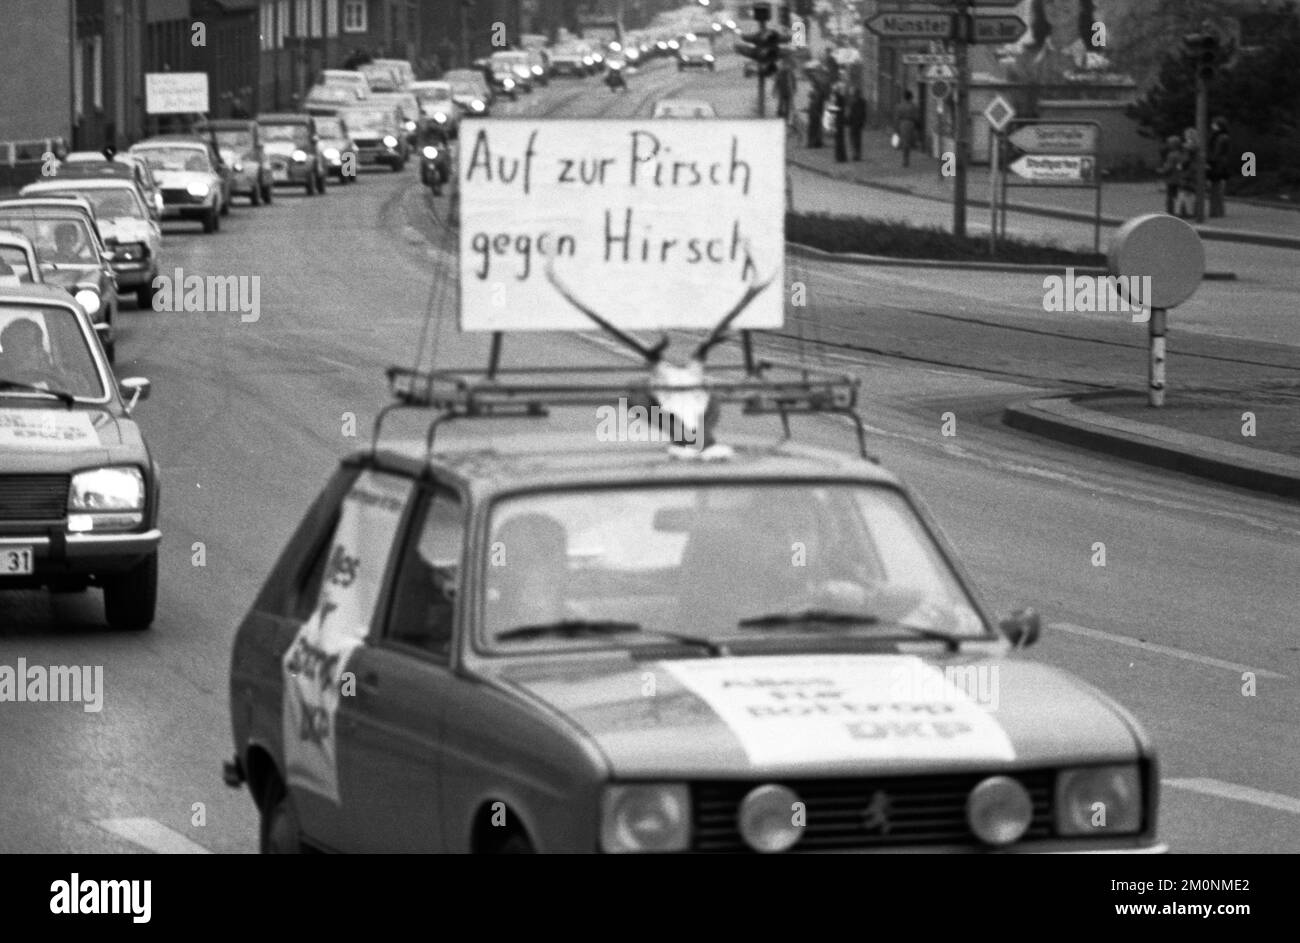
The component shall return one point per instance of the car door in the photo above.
(316, 665)
(390, 730)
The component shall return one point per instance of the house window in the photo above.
(315, 19)
(331, 17)
(300, 18)
(281, 22)
(267, 24)
(354, 16)
(97, 72)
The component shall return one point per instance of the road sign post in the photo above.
(1055, 154)
(1167, 255)
(961, 106)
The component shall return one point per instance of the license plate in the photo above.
(279, 176)
(17, 561)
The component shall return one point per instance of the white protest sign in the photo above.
(46, 429)
(650, 224)
(175, 93)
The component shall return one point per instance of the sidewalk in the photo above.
(881, 169)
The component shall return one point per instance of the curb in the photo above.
(1214, 235)
(852, 258)
(1062, 419)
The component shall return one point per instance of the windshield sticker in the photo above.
(793, 711)
(46, 429)
(314, 664)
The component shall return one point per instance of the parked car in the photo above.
(525, 640)
(402, 71)
(290, 142)
(438, 105)
(378, 135)
(78, 485)
(71, 255)
(470, 91)
(328, 99)
(337, 148)
(349, 78)
(194, 180)
(132, 235)
(239, 141)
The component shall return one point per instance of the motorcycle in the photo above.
(614, 79)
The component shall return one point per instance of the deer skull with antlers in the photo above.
(680, 390)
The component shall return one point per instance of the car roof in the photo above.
(228, 124)
(77, 205)
(38, 294)
(523, 456)
(103, 169)
(81, 183)
(172, 140)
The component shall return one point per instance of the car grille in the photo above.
(845, 814)
(34, 497)
(180, 196)
(366, 142)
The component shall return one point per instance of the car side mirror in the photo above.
(136, 388)
(1022, 627)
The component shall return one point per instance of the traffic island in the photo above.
(1197, 432)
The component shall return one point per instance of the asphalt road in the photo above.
(248, 419)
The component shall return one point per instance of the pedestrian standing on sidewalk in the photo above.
(1219, 166)
(1171, 171)
(784, 90)
(857, 120)
(840, 121)
(1187, 176)
(816, 105)
(906, 120)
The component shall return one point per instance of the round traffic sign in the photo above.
(939, 89)
(1165, 248)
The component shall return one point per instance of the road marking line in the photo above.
(152, 835)
(1164, 650)
(1213, 787)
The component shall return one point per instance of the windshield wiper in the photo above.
(572, 627)
(61, 395)
(814, 617)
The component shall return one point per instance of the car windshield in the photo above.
(368, 120)
(234, 139)
(286, 133)
(43, 346)
(62, 238)
(436, 94)
(109, 202)
(330, 128)
(176, 158)
(464, 90)
(711, 561)
(15, 268)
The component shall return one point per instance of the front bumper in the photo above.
(380, 154)
(287, 172)
(132, 275)
(245, 183)
(59, 554)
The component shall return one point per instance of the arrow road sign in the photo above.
(912, 25)
(1052, 137)
(939, 73)
(998, 30)
(1054, 168)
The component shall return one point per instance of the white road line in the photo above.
(152, 835)
(1213, 787)
(1163, 650)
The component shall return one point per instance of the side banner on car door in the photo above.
(314, 664)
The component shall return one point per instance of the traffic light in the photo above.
(1204, 51)
(765, 47)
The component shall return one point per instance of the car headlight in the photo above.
(508, 84)
(130, 251)
(198, 188)
(331, 153)
(645, 818)
(390, 141)
(299, 156)
(107, 489)
(766, 819)
(587, 60)
(477, 105)
(999, 810)
(410, 125)
(1099, 800)
(708, 58)
(537, 70)
(237, 167)
(430, 153)
(440, 117)
(88, 299)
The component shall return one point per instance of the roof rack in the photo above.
(763, 388)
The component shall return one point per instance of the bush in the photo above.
(901, 240)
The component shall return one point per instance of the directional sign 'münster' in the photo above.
(912, 25)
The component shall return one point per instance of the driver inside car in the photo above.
(23, 357)
(527, 573)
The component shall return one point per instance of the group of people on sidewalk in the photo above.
(1178, 170)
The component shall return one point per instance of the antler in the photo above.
(753, 291)
(651, 354)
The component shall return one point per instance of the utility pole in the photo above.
(1203, 137)
(464, 33)
(964, 29)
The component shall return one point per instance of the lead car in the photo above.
(529, 638)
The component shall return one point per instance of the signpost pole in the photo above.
(1202, 133)
(1156, 370)
(996, 142)
(961, 107)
